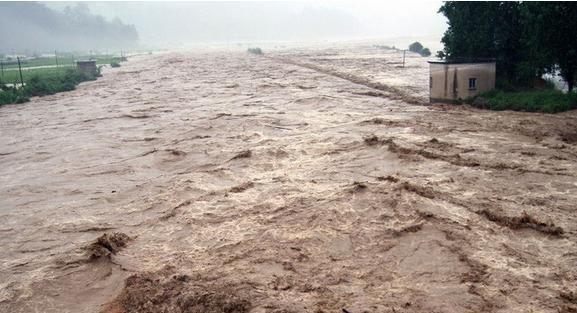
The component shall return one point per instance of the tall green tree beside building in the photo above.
(558, 21)
(484, 30)
(527, 39)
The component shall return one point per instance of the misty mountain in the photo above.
(33, 26)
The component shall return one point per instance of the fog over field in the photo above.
(26, 26)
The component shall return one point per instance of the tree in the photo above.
(484, 30)
(425, 52)
(416, 47)
(41, 28)
(470, 31)
(557, 22)
(527, 39)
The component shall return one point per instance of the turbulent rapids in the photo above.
(304, 180)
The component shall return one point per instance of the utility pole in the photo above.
(2, 67)
(56, 57)
(20, 70)
(404, 57)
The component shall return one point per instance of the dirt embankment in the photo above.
(226, 182)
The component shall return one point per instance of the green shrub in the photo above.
(506, 85)
(37, 86)
(547, 101)
(114, 64)
(416, 47)
(11, 95)
(42, 85)
(549, 84)
(7, 96)
(255, 50)
(425, 52)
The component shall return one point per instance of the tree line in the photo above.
(527, 39)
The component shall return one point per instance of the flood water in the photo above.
(290, 177)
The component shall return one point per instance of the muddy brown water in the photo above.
(256, 184)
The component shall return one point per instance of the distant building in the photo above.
(87, 67)
(454, 80)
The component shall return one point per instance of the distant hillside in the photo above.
(34, 27)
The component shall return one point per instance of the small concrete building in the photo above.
(87, 67)
(454, 80)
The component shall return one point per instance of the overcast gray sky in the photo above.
(179, 23)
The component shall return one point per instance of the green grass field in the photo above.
(50, 82)
(13, 76)
(43, 76)
(62, 60)
(30, 69)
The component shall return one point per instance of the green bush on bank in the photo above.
(11, 95)
(39, 85)
(546, 101)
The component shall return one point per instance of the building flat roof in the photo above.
(462, 60)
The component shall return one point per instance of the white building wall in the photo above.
(450, 82)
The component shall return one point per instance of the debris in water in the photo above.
(411, 228)
(242, 155)
(388, 178)
(158, 292)
(107, 244)
(176, 152)
(242, 187)
(358, 186)
(372, 140)
(422, 191)
(523, 221)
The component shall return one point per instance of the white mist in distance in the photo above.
(182, 24)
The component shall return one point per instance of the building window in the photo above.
(472, 83)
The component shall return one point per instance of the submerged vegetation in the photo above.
(256, 50)
(386, 47)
